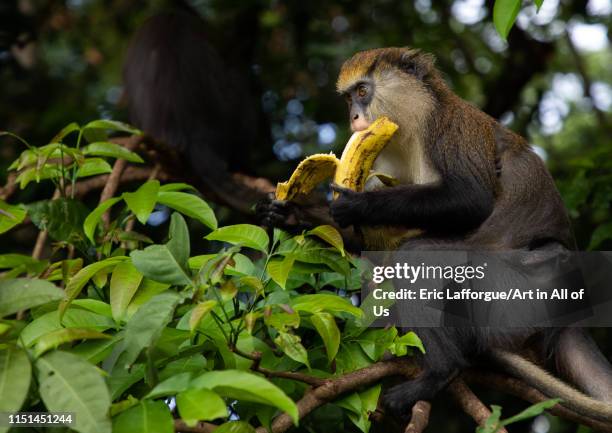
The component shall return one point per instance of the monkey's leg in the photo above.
(579, 361)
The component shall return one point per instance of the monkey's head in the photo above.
(392, 82)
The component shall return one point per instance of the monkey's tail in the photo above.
(553, 387)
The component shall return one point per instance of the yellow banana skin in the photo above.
(360, 153)
(350, 171)
(308, 174)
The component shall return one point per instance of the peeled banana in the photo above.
(351, 170)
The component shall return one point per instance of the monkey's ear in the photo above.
(417, 63)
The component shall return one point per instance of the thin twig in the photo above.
(300, 377)
(470, 403)
(41, 240)
(114, 179)
(420, 417)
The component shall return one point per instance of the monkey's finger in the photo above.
(282, 204)
(340, 189)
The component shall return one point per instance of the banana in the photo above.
(308, 174)
(350, 171)
(360, 153)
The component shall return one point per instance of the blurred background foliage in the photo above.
(551, 81)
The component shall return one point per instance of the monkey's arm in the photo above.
(456, 203)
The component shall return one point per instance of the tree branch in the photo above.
(523, 391)
(114, 178)
(420, 417)
(333, 388)
(470, 403)
(9, 189)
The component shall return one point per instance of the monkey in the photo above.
(179, 91)
(465, 182)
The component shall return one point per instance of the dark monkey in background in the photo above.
(182, 93)
(466, 182)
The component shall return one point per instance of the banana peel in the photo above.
(352, 170)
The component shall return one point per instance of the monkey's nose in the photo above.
(358, 123)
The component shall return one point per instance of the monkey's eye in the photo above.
(362, 91)
(349, 98)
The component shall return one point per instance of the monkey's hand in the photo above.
(349, 207)
(282, 214)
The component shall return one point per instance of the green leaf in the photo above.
(330, 235)
(235, 427)
(77, 282)
(375, 342)
(94, 305)
(54, 339)
(15, 375)
(178, 244)
(504, 15)
(123, 405)
(68, 129)
(167, 263)
(113, 125)
(492, 423)
(325, 302)
(69, 384)
(538, 4)
(73, 318)
(145, 327)
(23, 293)
(246, 235)
(95, 351)
(10, 261)
(199, 312)
(360, 406)
(89, 226)
(279, 270)
(282, 320)
(531, 411)
(123, 286)
(326, 326)
(196, 262)
(157, 263)
(142, 201)
(409, 339)
(190, 205)
(63, 218)
(37, 174)
(146, 417)
(245, 386)
(600, 234)
(171, 386)
(10, 216)
(148, 288)
(93, 167)
(200, 405)
(112, 150)
(291, 345)
(178, 186)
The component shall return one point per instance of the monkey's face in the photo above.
(387, 82)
